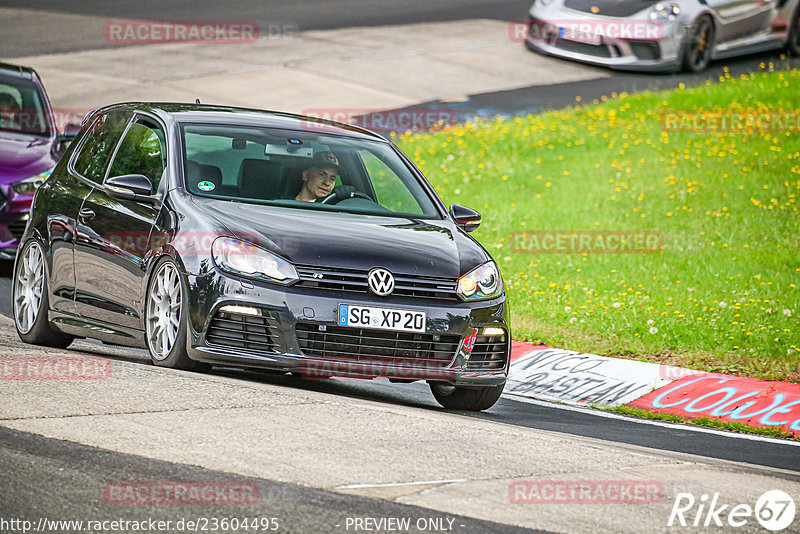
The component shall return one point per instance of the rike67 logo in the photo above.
(774, 510)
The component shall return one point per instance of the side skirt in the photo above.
(82, 327)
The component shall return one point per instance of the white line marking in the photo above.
(683, 426)
(391, 485)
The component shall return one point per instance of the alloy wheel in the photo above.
(164, 311)
(28, 287)
(700, 45)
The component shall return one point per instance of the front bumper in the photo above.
(295, 329)
(661, 54)
(14, 213)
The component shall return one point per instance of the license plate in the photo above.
(573, 34)
(381, 318)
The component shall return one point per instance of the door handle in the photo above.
(86, 213)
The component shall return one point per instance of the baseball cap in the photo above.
(325, 160)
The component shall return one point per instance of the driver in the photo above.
(8, 110)
(319, 177)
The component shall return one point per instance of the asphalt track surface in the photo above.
(55, 479)
(557, 96)
(590, 423)
(61, 480)
(556, 418)
(309, 14)
(305, 14)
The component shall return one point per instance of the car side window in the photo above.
(99, 142)
(142, 151)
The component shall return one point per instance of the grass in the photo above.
(719, 292)
(709, 422)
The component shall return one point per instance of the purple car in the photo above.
(30, 146)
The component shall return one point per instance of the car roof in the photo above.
(17, 71)
(228, 115)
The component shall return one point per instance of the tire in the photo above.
(793, 44)
(166, 318)
(473, 399)
(30, 301)
(699, 45)
(7, 268)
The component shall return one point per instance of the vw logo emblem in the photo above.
(381, 281)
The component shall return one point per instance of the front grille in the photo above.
(17, 228)
(366, 345)
(249, 332)
(583, 48)
(356, 281)
(488, 354)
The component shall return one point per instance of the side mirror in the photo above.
(466, 218)
(130, 187)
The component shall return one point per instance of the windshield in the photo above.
(22, 108)
(301, 170)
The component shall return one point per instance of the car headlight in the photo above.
(28, 186)
(245, 259)
(481, 283)
(665, 12)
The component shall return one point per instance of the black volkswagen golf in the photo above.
(224, 236)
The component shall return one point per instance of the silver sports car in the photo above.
(658, 35)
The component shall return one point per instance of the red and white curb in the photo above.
(580, 379)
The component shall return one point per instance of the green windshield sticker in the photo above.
(206, 186)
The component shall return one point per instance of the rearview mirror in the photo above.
(130, 187)
(466, 218)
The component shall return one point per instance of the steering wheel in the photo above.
(343, 193)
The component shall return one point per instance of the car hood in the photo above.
(23, 156)
(610, 8)
(435, 248)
